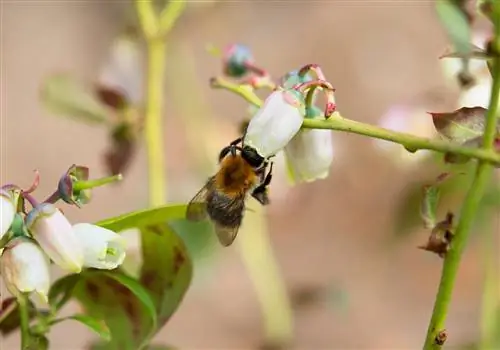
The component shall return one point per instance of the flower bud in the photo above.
(236, 59)
(54, 233)
(25, 268)
(290, 79)
(102, 248)
(65, 186)
(7, 212)
(276, 122)
(310, 154)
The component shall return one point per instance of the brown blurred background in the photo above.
(329, 233)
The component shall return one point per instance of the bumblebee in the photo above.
(222, 199)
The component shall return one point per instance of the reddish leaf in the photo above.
(462, 125)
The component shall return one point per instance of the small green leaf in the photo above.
(462, 125)
(38, 342)
(166, 269)
(61, 290)
(455, 23)
(63, 96)
(144, 217)
(95, 325)
(429, 206)
(409, 212)
(430, 201)
(122, 303)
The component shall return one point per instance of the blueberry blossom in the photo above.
(102, 248)
(7, 212)
(56, 237)
(310, 154)
(25, 268)
(276, 122)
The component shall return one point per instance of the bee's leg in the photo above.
(224, 152)
(235, 142)
(260, 192)
(269, 176)
(231, 148)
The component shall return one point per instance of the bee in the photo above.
(222, 199)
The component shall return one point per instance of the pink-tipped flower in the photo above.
(54, 233)
(102, 248)
(310, 154)
(25, 268)
(276, 122)
(7, 212)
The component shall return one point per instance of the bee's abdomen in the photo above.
(225, 210)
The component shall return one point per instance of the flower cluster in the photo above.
(29, 239)
(277, 124)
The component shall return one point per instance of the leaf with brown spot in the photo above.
(461, 125)
(9, 315)
(166, 270)
(122, 303)
(464, 126)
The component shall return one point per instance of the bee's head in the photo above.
(251, 156)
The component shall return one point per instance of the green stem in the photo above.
(257, 254)
(89, 184)
(336, 122)
(153, 127)
(489, 299)
(155, 29)
(24, 321)
(467, 216)
(411, 142)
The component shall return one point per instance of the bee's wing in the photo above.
(226, 234)
(197, 207)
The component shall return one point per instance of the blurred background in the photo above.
(356, 281)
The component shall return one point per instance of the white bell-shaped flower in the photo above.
(276, 122)
(309, 155)
(102, 248)
(54, 233)
(7, 212)
(25, 268)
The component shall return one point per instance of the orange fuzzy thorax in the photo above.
(235, 176)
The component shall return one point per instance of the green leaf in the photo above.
(38, 342)
(409, 212)
(430, 201)
(61, 290)
(63, 96)
(9, 315)
(122, 303)
(455, 23)
(199, 238)
(462, 125)
(166, 269)
(429, 206)
(144, 217)
(95, 325)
